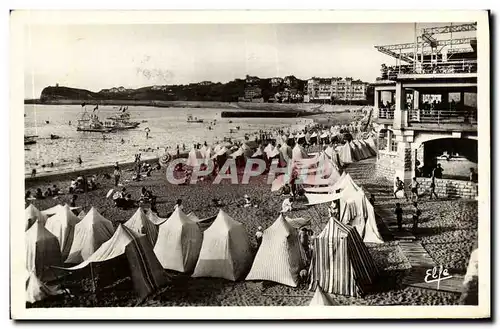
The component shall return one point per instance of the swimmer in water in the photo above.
(123, 141)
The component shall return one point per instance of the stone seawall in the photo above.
(449, 188)
(386, 164)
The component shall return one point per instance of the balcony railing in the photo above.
(443, 116)
(449, 67)
(385, 113)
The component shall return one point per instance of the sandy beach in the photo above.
(440, 223)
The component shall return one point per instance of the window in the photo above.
(382, 139)
(394, 145)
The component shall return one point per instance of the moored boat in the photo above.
(29, 140)
(191, 119)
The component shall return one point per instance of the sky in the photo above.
(95, 57)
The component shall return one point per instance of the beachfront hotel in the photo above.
(426, 108)
(335, 89)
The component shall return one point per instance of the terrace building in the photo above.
(426, 108)
(331, 89)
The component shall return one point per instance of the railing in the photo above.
(385, 113)
(443, 116)
(449, 67)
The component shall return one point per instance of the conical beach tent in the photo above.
(195, 158)
(321, 299)
(32, 214)
(90, 233)
(225, 252)
(145, 270)
(341, 264)
(62, 225)
(346, 154)
(179, 243)
(154, 217)
(36, 290)
(278, 258)
(42, 252)
(298, 153)
(141, 224)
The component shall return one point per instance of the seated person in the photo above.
(247, 201)
(56, 190)
(39, 194)
(48, 193)
(286, 190)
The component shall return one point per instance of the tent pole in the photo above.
(93, 283)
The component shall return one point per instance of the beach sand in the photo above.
(187, 291)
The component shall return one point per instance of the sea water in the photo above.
(168, 127)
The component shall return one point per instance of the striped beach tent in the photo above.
(146, 271)
(278, 258)
(321, 299)
(225, 252)
(341, 263)
(141, 224)
(179, 242)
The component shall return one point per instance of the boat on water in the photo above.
(29, 140)
(90, 122)
(191, 119)
(121, 120)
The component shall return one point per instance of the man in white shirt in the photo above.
(286, 206)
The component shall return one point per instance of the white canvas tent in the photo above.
(146, 272)
(179, 243)
(42, 252)
(140, 223)
(278, 258)
(90, 233)
(154, 217)
(195, 158)
(32, 214)
(54, 210)
(298, 153)
(225, 252)
(36, 290)
(62, 225)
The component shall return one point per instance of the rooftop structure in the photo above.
(426, 104)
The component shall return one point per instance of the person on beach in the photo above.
(438, 171)
(247, 201)
(48, 193)
(286, 206)
(117, 173)
(73, 200)
(416, 216)
(473, 175)
(33, 173)
(304, 242)
(399, 186)
(258, 236)
(399, 216)
(178, 150)
(178, 205)
(433, 188)
(372, 199)
(55, 190)
(39, 194)
(414, 188)
(79, 160)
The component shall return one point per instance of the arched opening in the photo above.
(455, 155)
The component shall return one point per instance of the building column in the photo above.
(400, 113)
(375, 106)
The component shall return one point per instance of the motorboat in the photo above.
(29, 140)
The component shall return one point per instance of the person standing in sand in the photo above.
(117, 173)
(258, 236)
(286, 206)
(80, 160)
